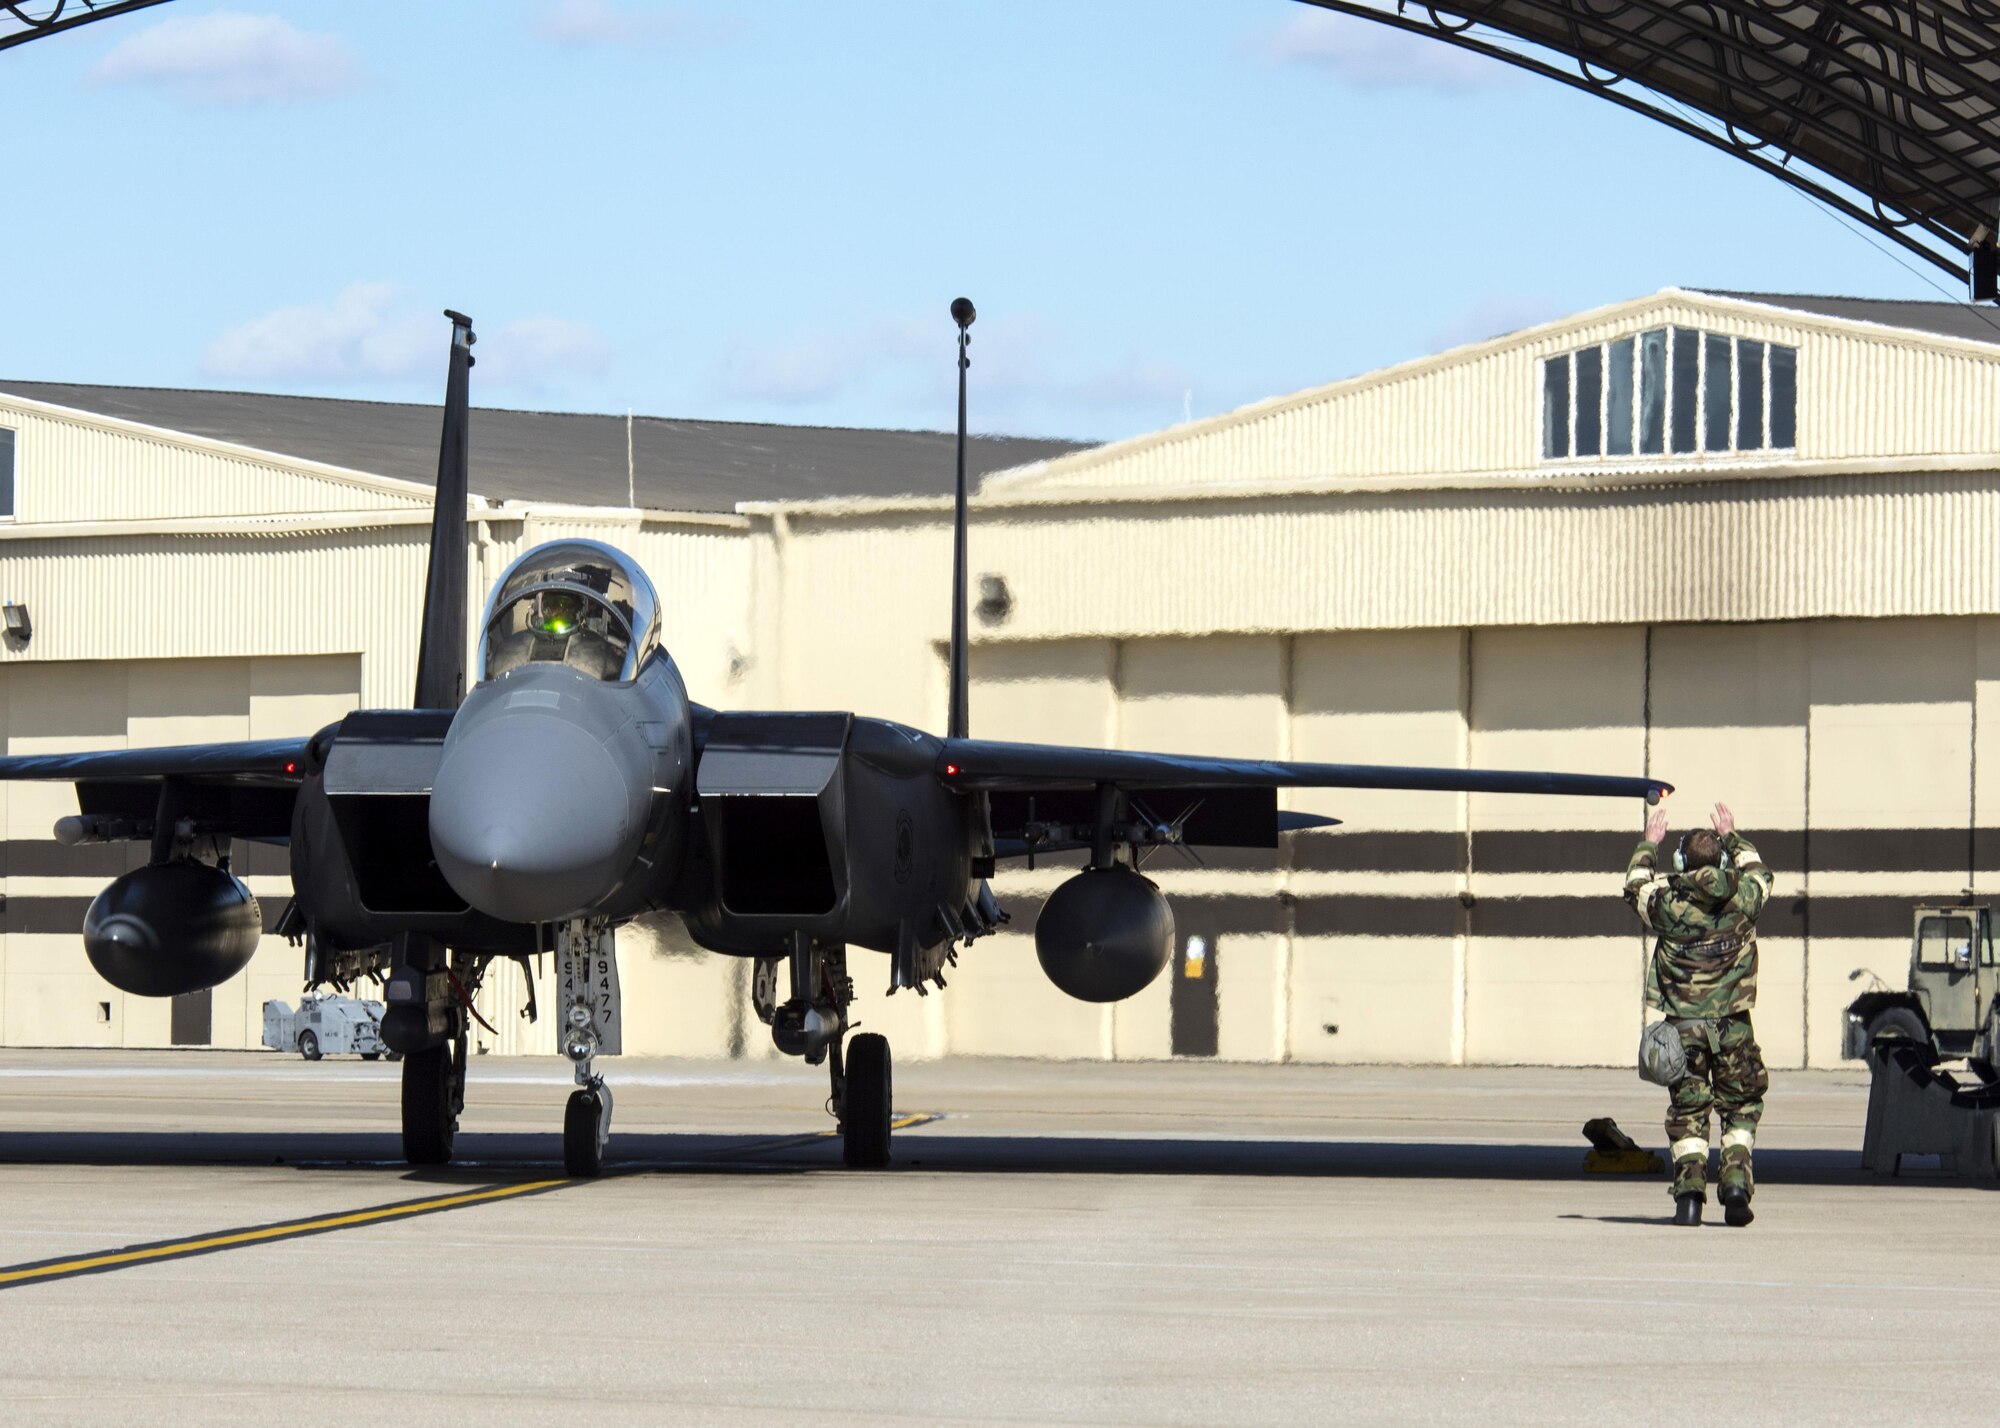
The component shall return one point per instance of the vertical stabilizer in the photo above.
(441, 655)
(957, 721)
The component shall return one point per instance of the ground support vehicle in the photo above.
(1946, 1013)
(325, 1026)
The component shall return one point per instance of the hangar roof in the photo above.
(1966, 321)
(566, 457)
(1868, 384)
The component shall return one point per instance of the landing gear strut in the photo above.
(813, 1024)
(587, 969)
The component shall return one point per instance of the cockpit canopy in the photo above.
(574, 602)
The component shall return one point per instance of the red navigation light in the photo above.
(291, 767)
(951, 770)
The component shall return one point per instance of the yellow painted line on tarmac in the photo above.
(265, 1234)
(792, 1142)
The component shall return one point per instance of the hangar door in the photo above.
(49, 995)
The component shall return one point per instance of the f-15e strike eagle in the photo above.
(576, 787)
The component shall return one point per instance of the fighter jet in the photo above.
(576, 787)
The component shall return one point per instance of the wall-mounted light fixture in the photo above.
(996, 601)
(19, 626)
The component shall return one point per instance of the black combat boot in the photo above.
(1735, 1203)
(1687, 1208)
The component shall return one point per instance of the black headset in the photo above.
(1681, 848)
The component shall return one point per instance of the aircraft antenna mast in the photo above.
(962, 313)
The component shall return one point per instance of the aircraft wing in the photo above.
(977, 765)
(269, 761)
(241, 790)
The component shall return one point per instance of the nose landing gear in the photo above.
(587, 964)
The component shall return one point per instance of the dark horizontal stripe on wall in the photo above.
(1901, 850)
(1552, 851)
(1496, 850)
(45, 914)
(1553, 917)
(1865, 916)
(64, 915)
(1364, 852)
(1367, 916)
(46, 858)
(1213, 915)
(1433, 916)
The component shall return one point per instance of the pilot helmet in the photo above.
(558, 612)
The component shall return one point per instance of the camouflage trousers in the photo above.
(1725, 1074)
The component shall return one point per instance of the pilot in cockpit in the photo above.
(559, 626)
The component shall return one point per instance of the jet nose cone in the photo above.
(532, 818)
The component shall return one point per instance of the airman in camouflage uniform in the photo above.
(1703, 976)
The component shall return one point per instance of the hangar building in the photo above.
(1738, 541)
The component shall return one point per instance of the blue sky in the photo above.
(761, 212)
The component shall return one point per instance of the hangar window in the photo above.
(1670, 391)
(6, 474)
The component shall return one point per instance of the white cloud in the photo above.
(229, 58)
(1023, 367)
(1372, 56)
(374, 333)
(1494, 315)
(602, 22)
(539, 350)
(359, 336)
(792, 374)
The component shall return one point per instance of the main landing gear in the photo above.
(812, 1024)
(433, 1097)
(425, 1021)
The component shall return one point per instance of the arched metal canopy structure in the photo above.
(24, 20)
(1888, 110)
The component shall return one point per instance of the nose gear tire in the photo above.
(583, 1156)
(865, 1102)
(430, 1120)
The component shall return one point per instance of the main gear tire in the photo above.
(865, 1103)
(309, 1046)
(430, 1122)
(1901, 1024)
(583, 1157)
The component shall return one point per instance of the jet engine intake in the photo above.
(1105, 934)
(171, 928)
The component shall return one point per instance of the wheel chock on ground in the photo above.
(1612, 1152)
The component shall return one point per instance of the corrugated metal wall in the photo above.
(89, 468)
(1731, 550)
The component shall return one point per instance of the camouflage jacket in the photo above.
(1704, 962)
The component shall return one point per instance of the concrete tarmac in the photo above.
(1170, 1243)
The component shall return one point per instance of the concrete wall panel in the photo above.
(1386, 999)
(1389, 697)
(1574, 1002)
